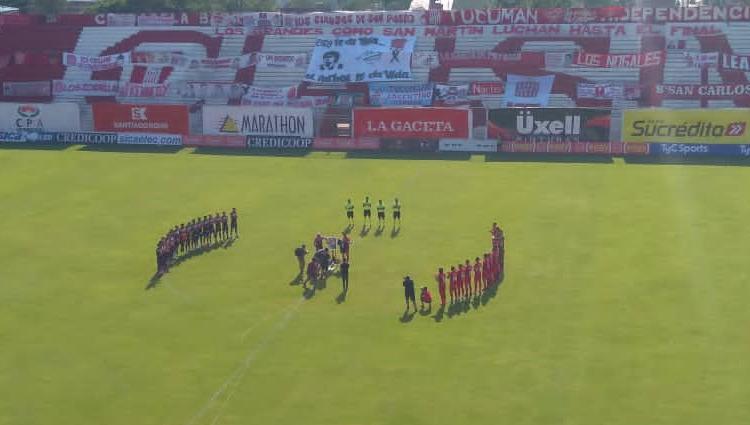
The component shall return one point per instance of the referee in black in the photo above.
(409, 293)
(345, 275)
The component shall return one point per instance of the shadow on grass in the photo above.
(365, 230)
(680, 160)
(298, 280)
(34, 146)
(341, 298)
(438, 317)
(549, 158)
(154, 281)
(395, 231)
(439, 156)
(348, 229)
(407, 317)
(248, 152)
(131, 149)
(224, 244)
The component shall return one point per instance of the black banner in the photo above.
(549, 125)
(278, 142)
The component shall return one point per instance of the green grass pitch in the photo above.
(624, 300)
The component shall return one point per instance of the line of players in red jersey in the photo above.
(195, 235)
(486, 272)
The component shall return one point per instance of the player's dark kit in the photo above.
(196, 234)
(233, 222)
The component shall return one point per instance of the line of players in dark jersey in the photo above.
(200, 233)
(486, 271)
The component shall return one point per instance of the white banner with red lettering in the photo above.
(96, 63)
(608, 91)
(86, 88)
(425, 59)
(625, 60)
(290, 61)
(522, 90)
(229, 62)
(143, 90)
(121, 20)
(282, 96)
(177, 60)
(215, 90)
(701, 60)
(26, 88)
(354, 19)
(156, 20)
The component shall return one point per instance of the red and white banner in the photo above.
(173, 59)
(85, 88)
(600, 14)
(701, 60)
(121, 20)
(701, 91)
(425, 59)
(168, 119)
(354, 19)
(215, 141)
(608, 91)
(736, 62)
(490, 59)
(467, 145)
(26, 88)
(281, 96)
(291, 61)
(230, 62)
(627, 60)
(486, 88)
(261, 95)
(246, 19)
(157, 20)
(412, 123)
(215, 90)
(557, 59)
(592, 148)
(522, 90)
(96, 63)
(610, 30)
(143, 90)
(346, 143)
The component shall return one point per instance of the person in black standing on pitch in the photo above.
(300, 254)
(345, 275)
(233, 223)
(409, 293)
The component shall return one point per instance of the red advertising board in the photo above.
(345, 143)
(412, 123)
(170, 119)
(205, 141)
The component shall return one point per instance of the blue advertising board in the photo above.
(684, 149)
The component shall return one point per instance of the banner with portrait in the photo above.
(360, 59)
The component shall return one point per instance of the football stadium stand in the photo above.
(612, 59)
